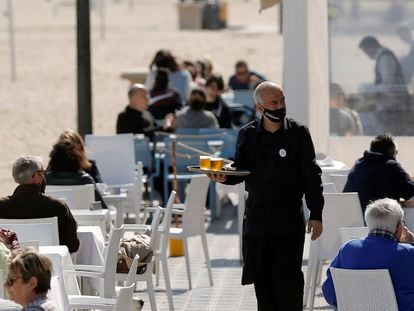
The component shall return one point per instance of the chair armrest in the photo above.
(139, 228)
(92, 268)
(177, 211)
(180, 206)
(89, 274)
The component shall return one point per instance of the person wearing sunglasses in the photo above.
(29, 201)
(28, 281)
(244, 78)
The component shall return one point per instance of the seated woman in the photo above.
(65, 168)
(89, 166)
(194, 115)
(28, 281)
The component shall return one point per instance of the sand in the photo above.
(41, 103)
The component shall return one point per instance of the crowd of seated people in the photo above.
(167, 91)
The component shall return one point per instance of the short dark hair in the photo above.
(369, 42)
(218, 79)
(384, 144)
(194, 103)
(241, 63)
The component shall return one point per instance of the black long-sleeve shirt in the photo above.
(28, 201)
(282, 166)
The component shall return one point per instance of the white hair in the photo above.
(257, 96)
(24, 168)
(384, 214)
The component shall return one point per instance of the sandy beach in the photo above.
(41, 103)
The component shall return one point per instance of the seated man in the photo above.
(29, 201)
(386, 241)
(135, 118)
(378, 174)
(244, 79)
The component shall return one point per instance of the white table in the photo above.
(101, 218)
(90, 250)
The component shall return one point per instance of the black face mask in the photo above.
(276, 115)
(43, 185)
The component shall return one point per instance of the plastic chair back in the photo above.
(339, 180)
(110, 261)
(329, 187)
(61, 194)
(340, 210)
(195, 203)
(77, 196)
(351, 233)
(114, 156)
(44, 230)
(355, 291)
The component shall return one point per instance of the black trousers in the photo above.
(286, 295)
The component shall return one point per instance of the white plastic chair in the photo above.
(44, 230)
(79, 199)
(351, 233)
(162, 248)
(326, 173)
(361, 290)
(105, 273)
(77, 196)
(193, 220)
(339, 180)
(340, 210)
(115, 158)
(69, 302)
(147, 275)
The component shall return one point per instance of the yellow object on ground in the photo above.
(176, 248)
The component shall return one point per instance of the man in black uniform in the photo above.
(280, 156)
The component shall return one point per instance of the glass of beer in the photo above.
(216, 164)
(205, 162)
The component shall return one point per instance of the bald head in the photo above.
(266, 87)
(138, 97)
(137, 87)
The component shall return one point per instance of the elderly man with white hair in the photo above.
(386, 247)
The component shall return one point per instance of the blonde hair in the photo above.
(76, 140)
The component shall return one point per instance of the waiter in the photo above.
(280, 156)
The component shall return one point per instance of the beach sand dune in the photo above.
(41, 103)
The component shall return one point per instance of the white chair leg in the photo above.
(157, 273)
(207, 257)
(311, 267)
(167, 282)
(314, 278)
(187, 262)
(151, 295)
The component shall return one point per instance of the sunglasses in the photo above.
(42, 172)
(10, 280)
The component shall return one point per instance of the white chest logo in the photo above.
(282, 153)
